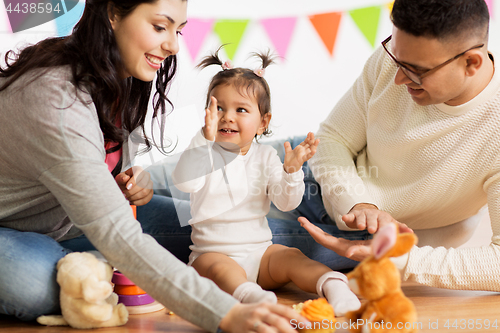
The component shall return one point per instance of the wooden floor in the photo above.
(439, 310)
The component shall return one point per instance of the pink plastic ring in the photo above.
(134, 300)
(120, 279)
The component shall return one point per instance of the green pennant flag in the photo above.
(367, 20)
(230, 32)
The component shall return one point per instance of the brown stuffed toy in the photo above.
(378, 281)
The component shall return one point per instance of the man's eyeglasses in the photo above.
(417, 77)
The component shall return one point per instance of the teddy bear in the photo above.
(87, 298)
(378, 281)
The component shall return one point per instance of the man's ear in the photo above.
(474, 61)
(266, 119)
(113, 18)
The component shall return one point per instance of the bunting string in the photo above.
(280, 30)
(231, 32)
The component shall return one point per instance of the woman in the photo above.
(62, 102)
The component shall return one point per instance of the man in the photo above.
(416, 140)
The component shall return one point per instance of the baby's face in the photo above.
(239, 117)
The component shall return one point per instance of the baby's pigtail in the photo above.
(212, 59)
(267, 59)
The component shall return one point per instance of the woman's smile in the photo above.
(154, 61)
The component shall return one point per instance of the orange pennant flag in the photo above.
(390, 5)
(327, 26)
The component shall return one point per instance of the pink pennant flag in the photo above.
(195, 33)
(4, 18)
(490, 7)
(280, 32)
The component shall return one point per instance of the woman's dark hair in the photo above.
(92, 54)
(442, 19)
(243, 79)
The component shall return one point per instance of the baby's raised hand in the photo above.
(303, 152)
(211, 120)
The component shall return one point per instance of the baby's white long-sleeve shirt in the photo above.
(231, 194)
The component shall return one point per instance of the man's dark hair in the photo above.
(441, 19)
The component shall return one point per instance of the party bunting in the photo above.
(66, 22)
(327, 26)
(195, 33)
(367, 20)
(20, 21)
(26, 15)
(280, 32)
(230, 32)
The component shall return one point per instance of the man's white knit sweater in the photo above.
(428, 166)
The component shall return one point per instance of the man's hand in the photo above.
(355, 250)
(367, 216)
(136, 185)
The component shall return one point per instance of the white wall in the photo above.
(305, 85)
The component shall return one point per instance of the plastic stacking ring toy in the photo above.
(134, 300)
(120, 279)
(128, 290)
(148, 308)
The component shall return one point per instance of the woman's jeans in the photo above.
(28, 286)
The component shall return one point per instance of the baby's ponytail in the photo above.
(212, 59)
(267, 58)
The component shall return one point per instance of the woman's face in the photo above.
(148, 35)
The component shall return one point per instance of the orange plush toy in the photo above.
(378, 281)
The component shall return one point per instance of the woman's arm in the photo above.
(66, 156)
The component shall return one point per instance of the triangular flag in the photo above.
(367, 20)
(390, 5)
(327, 26)
(490, 6)
(74, 11)
(20, 21)
(195, 33)
(280, 32)
(4, 21)
(230, 32)
(26, 15)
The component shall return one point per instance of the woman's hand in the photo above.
(362, 216)
(136, 184)
(211, 120)
(302, 153)
(261, 318)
